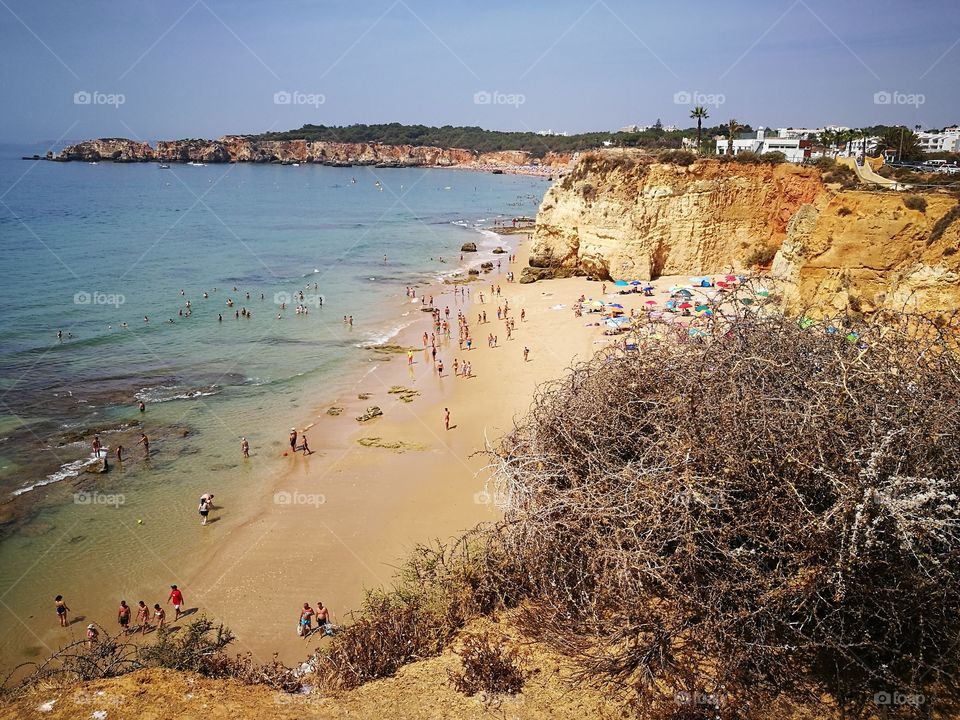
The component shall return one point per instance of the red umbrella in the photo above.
(722, 284)
(651, 302)
(684, 306)
(731, 278)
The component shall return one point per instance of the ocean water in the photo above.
(91, 250)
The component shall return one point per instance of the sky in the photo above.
(204, 68)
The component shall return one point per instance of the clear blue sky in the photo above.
(204, 68)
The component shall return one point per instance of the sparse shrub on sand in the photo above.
(915, 202)
(489, 666)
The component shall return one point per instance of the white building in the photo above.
(795, 149)
(947, 140)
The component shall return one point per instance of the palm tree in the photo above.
(700, 113)
(732, 127)
(827, 139)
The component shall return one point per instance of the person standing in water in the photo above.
(293, 439)
(143, 617)
(141, 407)
(304, 446)
(119, 453)
(204, 509)
(245, 447)
(123, 616)
(97, 446)
(145, 441)
(62, 610)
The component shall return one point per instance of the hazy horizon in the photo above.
(207, 68)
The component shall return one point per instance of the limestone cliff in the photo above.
(630, 217)
(238, 148)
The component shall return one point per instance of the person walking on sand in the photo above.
(293, 439)
(119, 453)
(123, 617)
(62, 610)
(143, 617)
(244, 447)
(160, 615)
(409, 357)
(204, 509)
(526, 353)
(304, 446)
(440, 368)
(446, 418)
(176, 598)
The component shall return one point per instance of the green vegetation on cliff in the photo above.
(478, 139)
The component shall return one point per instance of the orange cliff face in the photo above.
(629, 217)
(237, 148)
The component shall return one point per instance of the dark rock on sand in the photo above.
(468, 247)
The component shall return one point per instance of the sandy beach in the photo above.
(332, 524)
(340, 520)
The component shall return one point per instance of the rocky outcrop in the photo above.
(865, 251)
(239, 148)
(115, 149)
(628, 217)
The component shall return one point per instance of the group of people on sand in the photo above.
(307, 617)
(304, 446)
(125, 613)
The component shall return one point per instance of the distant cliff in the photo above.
(237, 148)
(630, 217)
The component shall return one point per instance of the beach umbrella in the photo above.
(763, 293)
(616, 305)
(696, 332)
(636, 282)
(723, 284)
(621, 283)
(701, 308)
(730, 278)
(685, 306)
(651, 302)
(685, 293)
(747, 301)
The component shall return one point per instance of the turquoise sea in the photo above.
(91, 250)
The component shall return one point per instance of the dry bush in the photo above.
(768, 512)
(761, 256)
(941, 225)
(197, 647)
(438, 591)
(488, 666)
(915, 202)
(677, 157)
(77, 662)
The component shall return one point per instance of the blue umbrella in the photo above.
(636, 282)
(621, 283)
(617, 305)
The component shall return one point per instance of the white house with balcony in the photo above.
(948, 140)
(794, 148)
